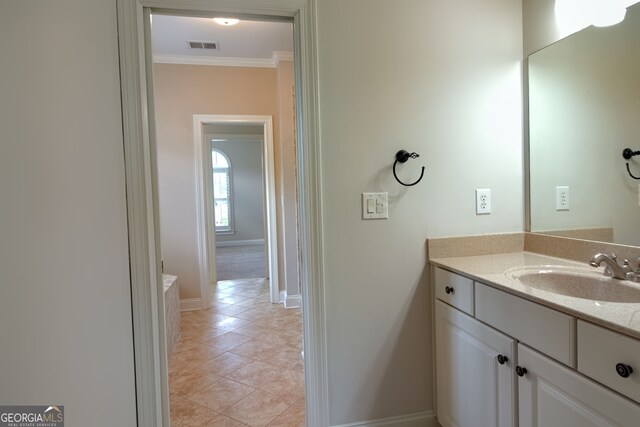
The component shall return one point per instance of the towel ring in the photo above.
(627, 154)
(402, 156)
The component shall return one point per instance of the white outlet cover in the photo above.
(563, 201)
(483, 201)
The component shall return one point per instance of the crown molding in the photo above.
(279, 55)
(272, 62)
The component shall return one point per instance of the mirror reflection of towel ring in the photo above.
(402, 156)
(627, 154)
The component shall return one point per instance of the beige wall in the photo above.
(442, 78)
(443, 82)
(65, 292)
(180, 92)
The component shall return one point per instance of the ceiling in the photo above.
(247, 39)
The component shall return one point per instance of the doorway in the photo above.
(239, 205)
(142, 201)
(239, 338)
(205, 194)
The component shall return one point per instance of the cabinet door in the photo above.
(553, 395)
(474, 389)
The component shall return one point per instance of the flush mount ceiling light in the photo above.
(226, 21)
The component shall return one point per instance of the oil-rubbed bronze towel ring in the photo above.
(402, 156)
(628, 153)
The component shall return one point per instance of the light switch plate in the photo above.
(379, 203)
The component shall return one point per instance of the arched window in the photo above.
(222, 191)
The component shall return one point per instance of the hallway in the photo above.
(238, 363)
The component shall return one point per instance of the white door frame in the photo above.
(136, 76)
(204, 193)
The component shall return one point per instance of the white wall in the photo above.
(539, 25)
(584, 104)
(247, 184)
(65, 303)
(442, 78)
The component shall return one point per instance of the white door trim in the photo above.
(142, 201)
(204, 213)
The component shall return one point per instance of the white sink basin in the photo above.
(576, 283)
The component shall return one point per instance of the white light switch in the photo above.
(375, 206)
(371, 206)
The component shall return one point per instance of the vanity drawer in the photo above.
(542, 328)
(455, 290)
(601, 350)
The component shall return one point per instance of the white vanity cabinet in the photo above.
(474, 388)
(609, 358)
(455, 290)
(513, 364)
(551, 394)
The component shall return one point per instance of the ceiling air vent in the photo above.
(203, 45)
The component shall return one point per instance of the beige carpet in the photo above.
(241, 262)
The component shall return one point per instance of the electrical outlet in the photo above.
(563, 202)
(483, 201)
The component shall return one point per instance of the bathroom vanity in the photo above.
(524, 339)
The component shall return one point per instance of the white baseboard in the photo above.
(421, 419)
(292, 301)
(240, 243)
(190, 304)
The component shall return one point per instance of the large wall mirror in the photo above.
(584, 109)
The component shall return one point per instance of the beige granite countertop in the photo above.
(491, 269)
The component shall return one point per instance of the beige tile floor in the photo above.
(238, 364)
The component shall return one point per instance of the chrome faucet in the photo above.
(612, 269)
(634, 276)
